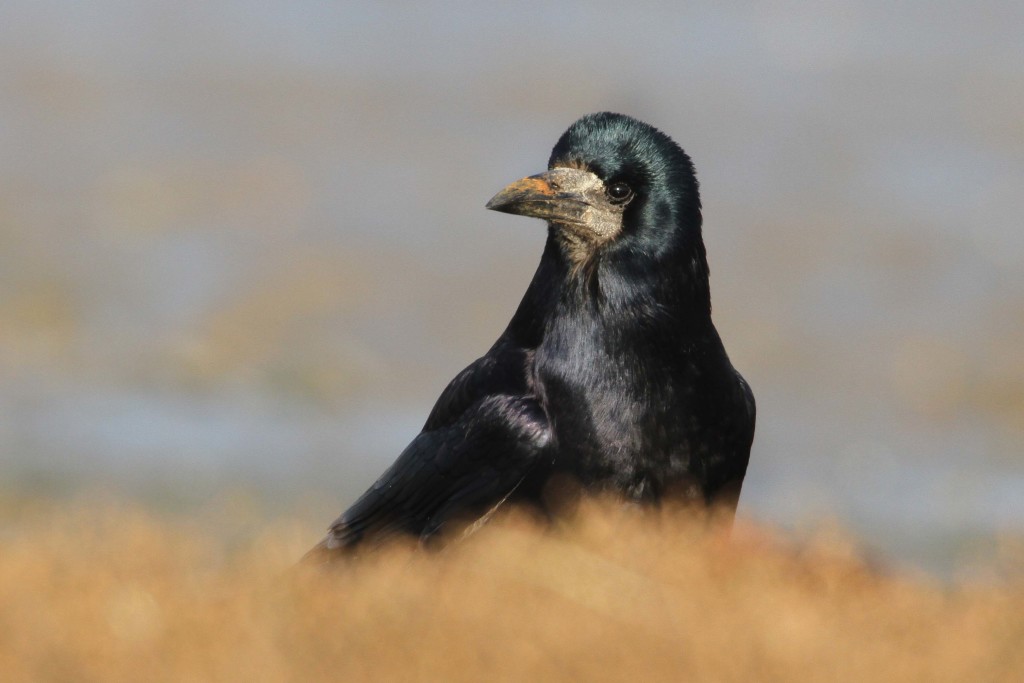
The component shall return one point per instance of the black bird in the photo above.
(610, 373)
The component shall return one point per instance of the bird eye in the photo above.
(619, 192)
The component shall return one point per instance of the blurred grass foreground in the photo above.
(106, 592)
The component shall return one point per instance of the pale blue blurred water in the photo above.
(166, 166)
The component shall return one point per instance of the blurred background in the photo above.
(243, 246)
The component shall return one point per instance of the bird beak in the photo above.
(556, 195)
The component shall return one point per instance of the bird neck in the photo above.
(628, 289)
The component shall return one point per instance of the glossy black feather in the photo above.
(464, 466)
(610, 372)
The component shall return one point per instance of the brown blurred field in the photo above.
(111, 592)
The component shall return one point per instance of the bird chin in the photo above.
(578, 242)
(584, 237)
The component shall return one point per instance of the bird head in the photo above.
(614, 185)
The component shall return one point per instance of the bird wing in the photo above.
(484, 435)
(503, 370)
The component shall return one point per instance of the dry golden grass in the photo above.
(112, 593)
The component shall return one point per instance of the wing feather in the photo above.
(470, 465)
